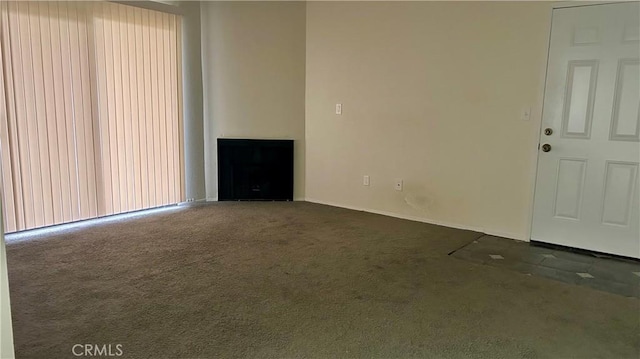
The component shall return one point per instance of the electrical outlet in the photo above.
(365, 180)
(398, 185)
(190, 199)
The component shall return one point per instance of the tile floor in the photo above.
(614, 275)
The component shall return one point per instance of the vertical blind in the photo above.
(90, 111)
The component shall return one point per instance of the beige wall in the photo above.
(192, 101)
(6, 331)
(253, 66)
(432, 93)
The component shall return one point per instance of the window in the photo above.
(90, 111)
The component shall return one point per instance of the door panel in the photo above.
(619, 189)
(626, 112)
(569, 188)
(581, 89)
(587, 183)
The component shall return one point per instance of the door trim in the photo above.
(537, 138)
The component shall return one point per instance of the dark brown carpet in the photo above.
(273, 280)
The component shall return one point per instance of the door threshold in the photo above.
(586, 252)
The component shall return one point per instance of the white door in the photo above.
(587, 183)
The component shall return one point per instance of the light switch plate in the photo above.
(365, 180)
(338, 109)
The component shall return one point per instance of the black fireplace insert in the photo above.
(255, 170)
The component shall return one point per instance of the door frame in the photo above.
(541, 93)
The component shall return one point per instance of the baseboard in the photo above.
(418, 219)
(191, 202)
(515, 237)
(401, 216)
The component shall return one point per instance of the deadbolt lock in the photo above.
(548, 131)
(546, 147)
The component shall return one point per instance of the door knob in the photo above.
(546, 147)
(548, 131)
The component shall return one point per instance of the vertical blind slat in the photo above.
(142, 140)
(70, 111)
(50, 113)
(103, 109)
(11, 211)
(10, 116)
(178, 70)
(39, 90)
(155, 135)
(148, 105)
(5, 152)
(174, 110)
(31, 116)
(87, 119)
(119, 122)
(59, 66)
(110, 120)
(167, 101)
(163, 114)
(133, 83)
(94, 104)
(78, 112)
(127, 118)
(25, 129)
(129, 105)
